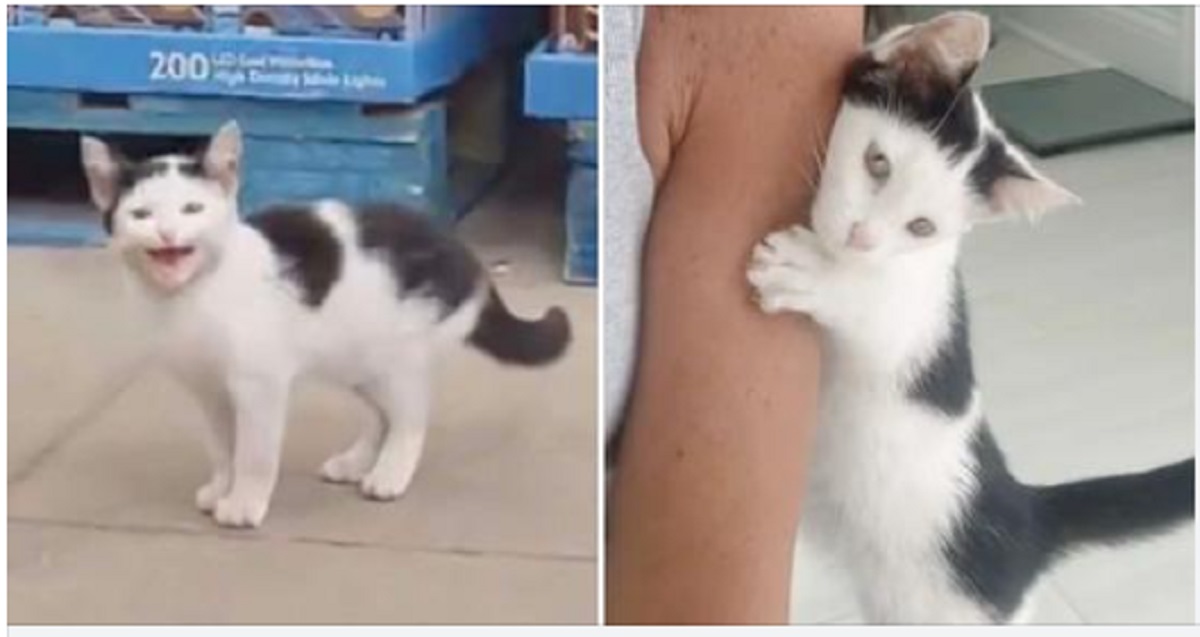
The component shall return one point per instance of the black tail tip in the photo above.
(511, 339)
(556, 332)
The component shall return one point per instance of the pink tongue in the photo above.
(169, 256)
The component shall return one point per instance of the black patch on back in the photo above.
(942, 106)
(948, 379)
(311, 255)
(994, 163)
(423, 258)
(1000, 545)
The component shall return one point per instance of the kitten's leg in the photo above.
(218, 441)
(354, 463)
(403, 398)
(260, 406)
(786, 271)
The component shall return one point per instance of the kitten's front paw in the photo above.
(240, 512)
(385, 485)
(785, 271)
(208, 495)
(346, 467)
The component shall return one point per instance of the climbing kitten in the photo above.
(364, 297)
(907, 483)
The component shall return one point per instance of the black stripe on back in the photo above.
(423, 259)
(944, 107)
(947, 381)
(1000, 544)
(311, 254)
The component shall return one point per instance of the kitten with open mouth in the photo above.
(362, 296)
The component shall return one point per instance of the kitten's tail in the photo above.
(512, 339)
(1113, 509)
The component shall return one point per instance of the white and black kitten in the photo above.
(907, 484)
(363, 297)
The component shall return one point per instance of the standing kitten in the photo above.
(362, 297)
(906, 482)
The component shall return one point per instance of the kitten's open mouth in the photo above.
(170, 255)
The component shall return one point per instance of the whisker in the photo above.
(949, 109)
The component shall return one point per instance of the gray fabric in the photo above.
(628, 198)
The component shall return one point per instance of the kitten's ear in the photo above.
(1010, 185)
(102, 165)
(223, 157)
(1030, 195)
(953, 43)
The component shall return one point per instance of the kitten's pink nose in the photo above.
(167, 237)
(859, 238)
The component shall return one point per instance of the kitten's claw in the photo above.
(240, 512)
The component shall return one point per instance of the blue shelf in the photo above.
(30, 229)
(133, 61)
(560, 85)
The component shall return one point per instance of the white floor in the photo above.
(1083, 336)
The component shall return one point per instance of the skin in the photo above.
(734, 107)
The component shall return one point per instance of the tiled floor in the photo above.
(1083, 333)
(499, 526)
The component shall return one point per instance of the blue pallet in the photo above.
(172, 115)
(560, 85)
(291, 151)
(122, 60)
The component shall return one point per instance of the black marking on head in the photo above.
(944, 107)
(993, 164)
(131, 173)
(311, 254)
(192, 167)
(1000, 544)
(134, 173)
(947, 381)
(423, 258)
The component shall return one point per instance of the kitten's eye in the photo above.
(192, 208)
(877, 163)
(139, 213)
(921, 227)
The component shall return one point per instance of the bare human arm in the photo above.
(734, 105)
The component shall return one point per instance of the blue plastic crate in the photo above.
(218, 61)
(561, 85)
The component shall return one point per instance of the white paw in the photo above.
(213, 490)
(346, 467)
(785, 270)
(385, 485)
(240, 512)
